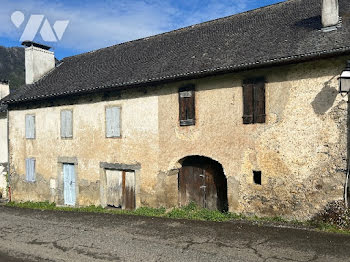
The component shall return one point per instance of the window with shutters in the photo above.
(30, 126)
(67, 124)
(187, 106)
(254, 101)
(30, 170)
(113, 122)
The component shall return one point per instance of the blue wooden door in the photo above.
(69, 184)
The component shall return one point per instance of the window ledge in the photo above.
(188, 122)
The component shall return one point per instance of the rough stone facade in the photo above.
(3, 161)
(301, 150)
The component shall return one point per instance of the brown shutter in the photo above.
(259, 101)
(182, 104)
(248, 102)
(187, 106)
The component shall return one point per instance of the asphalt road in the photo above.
(32, 235)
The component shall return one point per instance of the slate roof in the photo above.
(3, 108)
(280, 33)
(3, 105)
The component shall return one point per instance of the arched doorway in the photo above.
(202, 180)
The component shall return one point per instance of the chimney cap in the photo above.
(31, 43)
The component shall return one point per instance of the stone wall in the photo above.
(301, 150)
(4, 89)
(89, 145)
(3, 138)
(3, 181)
(3, 154)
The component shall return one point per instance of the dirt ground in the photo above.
(33, 235)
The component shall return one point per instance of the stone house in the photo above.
(240, 113)
(4, 91)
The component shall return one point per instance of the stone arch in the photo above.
(202, 180)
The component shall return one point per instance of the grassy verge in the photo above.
(191, 212)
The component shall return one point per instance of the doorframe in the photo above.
(136, 168)
(59, 198)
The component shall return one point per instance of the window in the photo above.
(187, 105)
(30, 126)
(30, 170)
(254, 101)
(66, 123)
(257, 177)
(113, 121)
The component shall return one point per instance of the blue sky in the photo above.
(96, 24)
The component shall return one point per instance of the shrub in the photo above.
(335, 214)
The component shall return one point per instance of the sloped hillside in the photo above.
(12, 66)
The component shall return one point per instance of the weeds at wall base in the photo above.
(191, 212)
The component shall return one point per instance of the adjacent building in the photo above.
(240, 113)
(4, 91)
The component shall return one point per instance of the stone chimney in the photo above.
(4, 88)
(330, 15)
(38, 61)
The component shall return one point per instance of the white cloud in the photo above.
(96, 24)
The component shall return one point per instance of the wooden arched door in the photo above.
(201, 180)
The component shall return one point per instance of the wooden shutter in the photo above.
(30, 169)
(187, 110)
(259, 101)
(248, 102)
(254, 101)
(116, 121)
(108, 122)
(113, 122)
(66, 123)
(30, 126)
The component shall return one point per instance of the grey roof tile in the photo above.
(3, 107)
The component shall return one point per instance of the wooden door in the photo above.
(69, 184)
(120, 190)
(202, 186)
(114, 181)
(192, 186)
(129, 190)
(211, 192)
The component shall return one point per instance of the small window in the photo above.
(187, 105)
(254, 101)
(66, 123)
(257, 177)
(30, 170)
(30, 126)
(113, 121)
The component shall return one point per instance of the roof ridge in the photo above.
(179, 29)
(283, 33)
